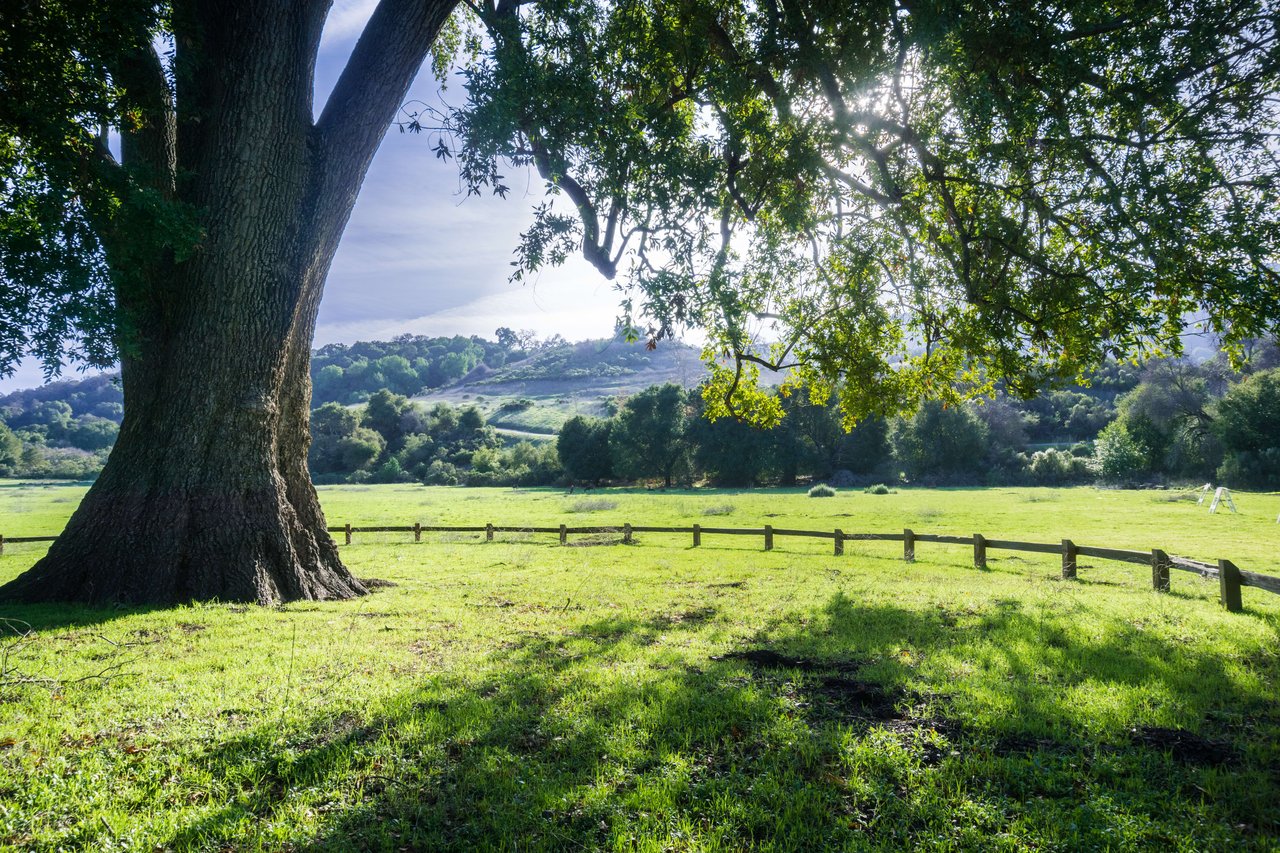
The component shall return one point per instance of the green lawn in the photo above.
(521, 695)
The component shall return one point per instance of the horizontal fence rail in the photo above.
(1231, 579)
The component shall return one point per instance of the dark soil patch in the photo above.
(844, 696)
(1185, 746)
(690, 617)
(1014, 744)
(493, 601)
(730, 585)
(376, 583)
(834, 690)
(769, 659)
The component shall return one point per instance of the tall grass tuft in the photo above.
(822, 490)
(592, 505)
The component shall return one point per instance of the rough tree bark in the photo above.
(206, 493)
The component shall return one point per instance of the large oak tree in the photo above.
(199, 257)
(917, 198)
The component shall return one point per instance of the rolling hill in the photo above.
(535, 396)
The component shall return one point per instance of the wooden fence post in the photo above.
(909, 545)
(348, 532)
(1229, 586)
(1068, 560)
(979, 551)
(697, 535)
(626, 533)
(417, 531)
(564, 535)
(1159, 570)
(768, 537)
(1, 543)
(488, 532)
(839, 542)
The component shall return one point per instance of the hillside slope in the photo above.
(539, 393)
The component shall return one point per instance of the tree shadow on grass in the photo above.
(51, 617)
(608, 735)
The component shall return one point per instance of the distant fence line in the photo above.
(1231, 579)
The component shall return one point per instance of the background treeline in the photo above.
(1168, 421)
(411, 364)
(62, 430)
(391, 439)
(1165, 421)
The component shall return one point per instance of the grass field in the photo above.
(523, 695)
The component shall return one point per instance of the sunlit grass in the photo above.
(522, 694)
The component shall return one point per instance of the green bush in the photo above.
(878, 489)
(1248, 425)
(441, 473)
(389, 472)
(822, 490)
(940, 444)
(1121, 458)
(1058, 467)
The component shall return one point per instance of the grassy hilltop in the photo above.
(660, 697)
(538, 394)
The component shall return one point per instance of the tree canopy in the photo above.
(898, 200)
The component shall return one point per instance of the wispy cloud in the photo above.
(346, 21)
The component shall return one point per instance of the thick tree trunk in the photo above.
(206, 494)
(196, 510)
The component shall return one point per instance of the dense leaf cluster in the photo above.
(79, 228)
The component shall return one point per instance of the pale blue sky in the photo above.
(416, 257)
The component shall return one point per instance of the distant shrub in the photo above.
(593, 505)
(822, 490)
(878, 489)
(718, 509)
(389, 472)
(1057, 467)
(1082, 449)
(1121, 458)
(441, 473)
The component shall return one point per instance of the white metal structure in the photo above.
(1223, 493)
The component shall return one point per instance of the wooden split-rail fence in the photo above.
(1231, 579)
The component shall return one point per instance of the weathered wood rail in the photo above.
(1231, 579)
